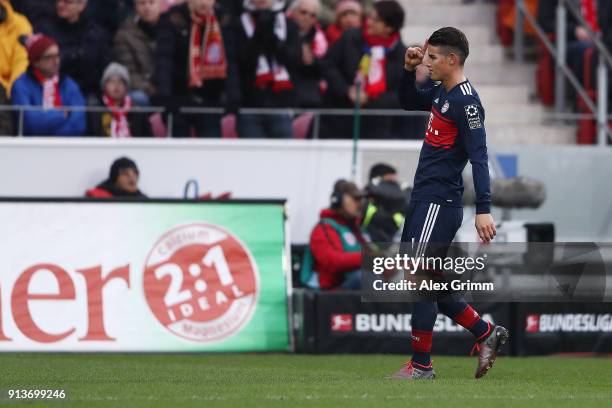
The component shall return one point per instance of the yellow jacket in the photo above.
(13, 55)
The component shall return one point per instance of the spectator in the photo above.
(120, 122)
(191, 65)
(122, 182)
(42, 85)
(578, 40)
(13, 56)
(134, 47)
(84, 44)
(387, 204)
(6, 118)
(336, 241)
(265, 59)
(35, 10)
(168, 4)
(308, 81)
(348, 14)
(364, 67)
(109, 14)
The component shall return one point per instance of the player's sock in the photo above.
(424, 316)
(465, 316)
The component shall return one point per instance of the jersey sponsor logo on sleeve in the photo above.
(471, 112)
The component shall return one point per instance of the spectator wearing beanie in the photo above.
(119, 121)
(13, 56)
(364, 67)
(348, 14)
(43, 85)
(122, 181)
(191, 66)
(309, 84)
(134, 47)
(84, 44)
(265, 59)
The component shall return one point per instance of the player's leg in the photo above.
(425, 222)
(489, 338)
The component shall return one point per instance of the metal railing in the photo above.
(169, 122)
(562, 71)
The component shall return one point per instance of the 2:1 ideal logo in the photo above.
(201, 282)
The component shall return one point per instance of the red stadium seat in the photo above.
(228, 127)
(587, 128)
(301, 125)
(545, 74)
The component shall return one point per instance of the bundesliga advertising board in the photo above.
(305, 203)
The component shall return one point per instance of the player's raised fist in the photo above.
(414, 56)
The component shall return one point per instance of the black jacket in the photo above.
(547, 17)
(171, 58)
(308, 79)
(339, 69)
(244, 57)
(84, 48)
(605, 22)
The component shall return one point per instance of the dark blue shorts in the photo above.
(431, 223)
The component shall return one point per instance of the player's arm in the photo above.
(410, 96)
(469, 117)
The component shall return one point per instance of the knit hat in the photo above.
(37, 44)
(348, 5)
(114, 68)
(121, 164)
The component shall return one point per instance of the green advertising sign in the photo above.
(145, 276)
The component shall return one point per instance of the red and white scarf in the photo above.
(371, 73)
(269, 72)
(119, 127)
(206, 55)
(51, 93)
(319, 42)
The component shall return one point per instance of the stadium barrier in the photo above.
(144, 276)
(340, 323)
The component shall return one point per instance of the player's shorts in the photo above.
(428, 222)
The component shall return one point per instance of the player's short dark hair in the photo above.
(391, 13)
(453, 40)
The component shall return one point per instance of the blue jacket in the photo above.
(28, 91)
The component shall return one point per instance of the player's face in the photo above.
(438, 63)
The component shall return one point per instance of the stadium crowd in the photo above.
(222, 54)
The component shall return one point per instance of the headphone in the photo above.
(336, 196)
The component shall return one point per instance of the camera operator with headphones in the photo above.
(333, 258)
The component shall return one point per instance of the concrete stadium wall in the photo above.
(303, 171)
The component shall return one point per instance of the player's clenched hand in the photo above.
(485, 226)
(414, 56)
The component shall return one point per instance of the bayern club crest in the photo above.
(445, 107)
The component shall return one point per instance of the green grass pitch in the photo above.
(284, 380)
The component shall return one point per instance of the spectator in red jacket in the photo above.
(336, 241)
(122, 181)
